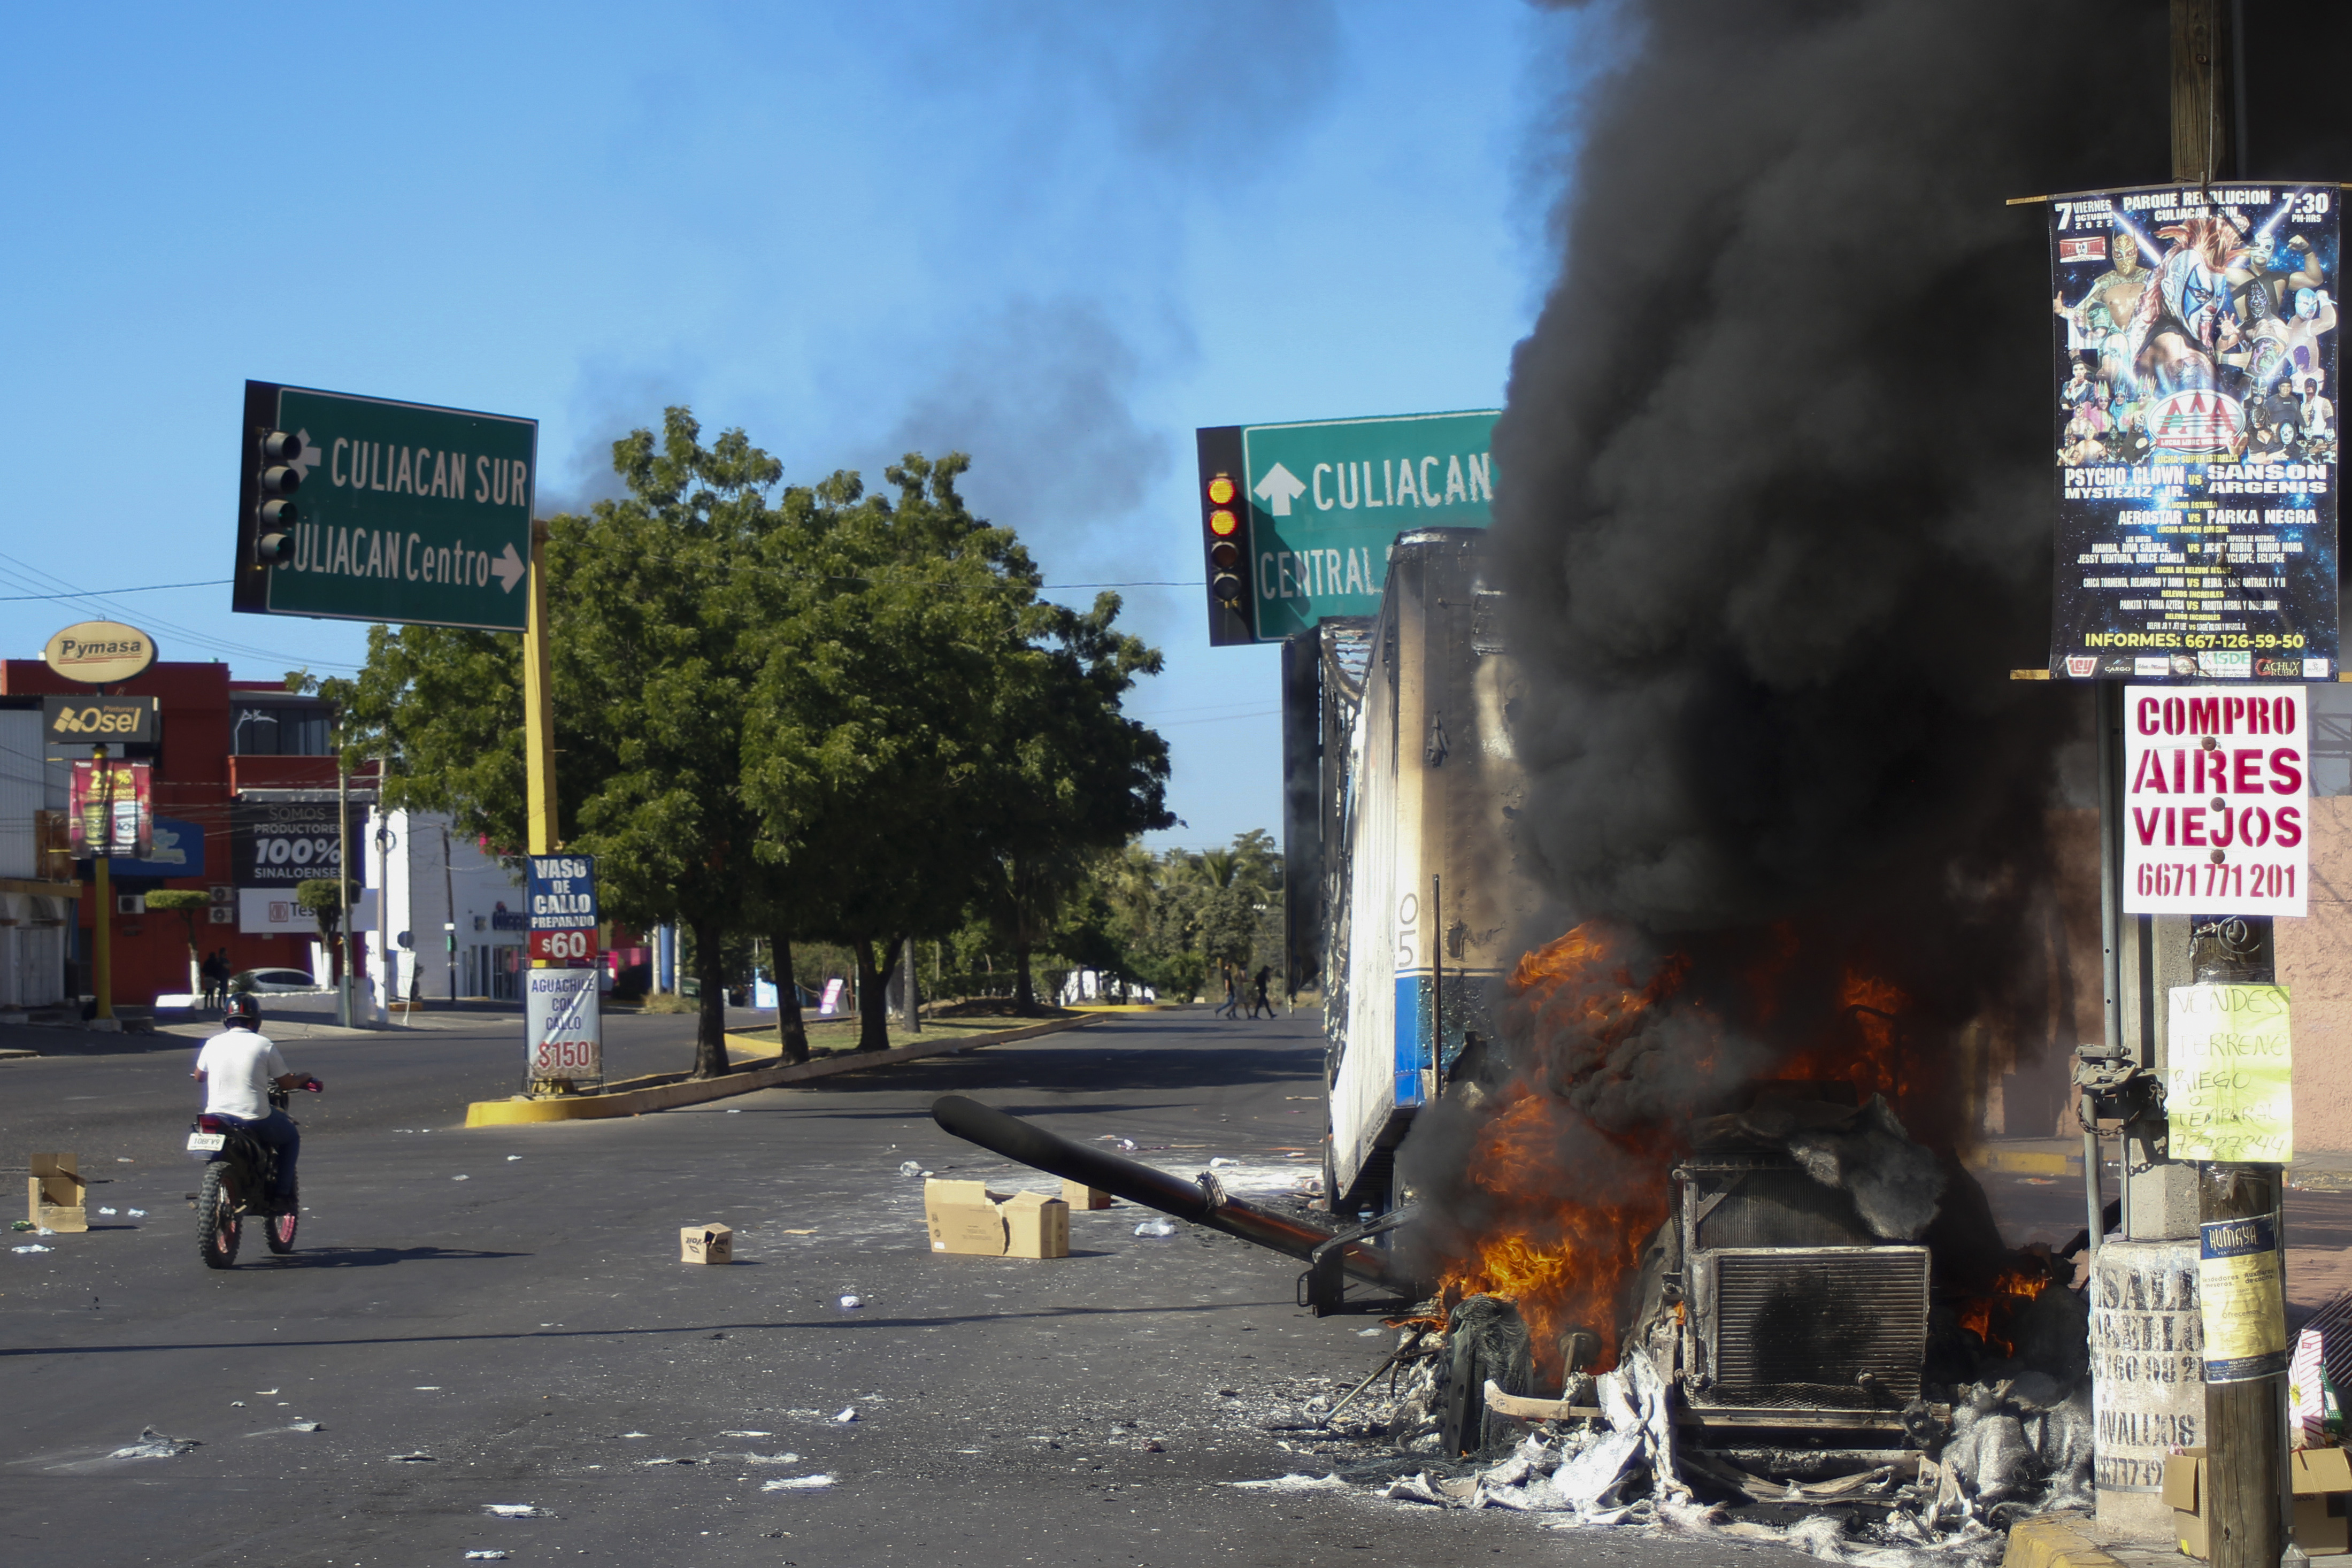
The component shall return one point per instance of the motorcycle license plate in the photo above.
(211, 1142)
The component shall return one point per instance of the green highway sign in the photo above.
(1318, 506)
(365, 508)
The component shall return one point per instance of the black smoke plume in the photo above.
(1774, 510)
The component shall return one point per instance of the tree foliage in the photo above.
(805, 713)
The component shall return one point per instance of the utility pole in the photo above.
(101, 918)
(449, 915)
(387, 966)
(343, 1015)
(2245, 1420)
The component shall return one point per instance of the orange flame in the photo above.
(1987, 1317)
(1563, 1251)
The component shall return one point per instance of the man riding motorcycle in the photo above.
(238, 1068)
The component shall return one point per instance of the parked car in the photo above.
(274, 981)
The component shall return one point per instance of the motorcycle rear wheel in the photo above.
(217, 1231)
(278, 1231)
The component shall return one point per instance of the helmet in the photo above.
(242, 1009)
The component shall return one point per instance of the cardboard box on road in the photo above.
(1078, 1195)
(1035, 1225)
(2322, 1478)
(706, 1244)
(56, 1198)
(965, 1217)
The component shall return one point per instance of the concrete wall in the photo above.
(2314, 963)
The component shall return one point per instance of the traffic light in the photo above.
(1225, 521)
(1224, 540)
(274, 538)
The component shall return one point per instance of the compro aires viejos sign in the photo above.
(2217, 801)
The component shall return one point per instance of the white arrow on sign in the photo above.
(1278, 489)
(509, 568)
(302, 465)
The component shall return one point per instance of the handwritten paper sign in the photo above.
(2229, 1077)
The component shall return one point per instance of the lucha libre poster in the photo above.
(2195, 409)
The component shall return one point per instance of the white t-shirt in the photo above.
(238, 1066)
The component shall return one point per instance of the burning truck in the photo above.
(1702, 1199)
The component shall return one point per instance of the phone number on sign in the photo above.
(2194, 879)
(561, 1056)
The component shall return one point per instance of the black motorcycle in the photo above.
(241, 1173)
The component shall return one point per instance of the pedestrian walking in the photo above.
(1233, 1008)
(214, 973)
(1258, 996)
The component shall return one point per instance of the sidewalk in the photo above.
(2314, 1170)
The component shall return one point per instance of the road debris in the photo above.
(798, 1483)
(155, 1444)
(851, 1303)
(766, 1458)
(135, 1214)
(848, 1413)
(307, 1426)
(106, 1211)
(665, 1461)
(910, 1168)
(35, 1246)
(747, 1433)
(517, 1510)
(1295, 1483)
(1156, 1228)
(461, 1178)
(418, 1459)
(491, 1555)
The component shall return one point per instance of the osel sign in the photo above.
(362, 509)
(100, 653)
(107, 720)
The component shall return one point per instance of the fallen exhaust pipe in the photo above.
(1200, 1202)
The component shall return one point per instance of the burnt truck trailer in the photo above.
(1792, 1320)
(1423, 905)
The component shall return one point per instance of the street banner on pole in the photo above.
(109, 810)
(565, 1038)
(560, 897)
(2195, 421)
(2217, 800)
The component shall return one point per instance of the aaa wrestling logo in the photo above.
(2199, 422)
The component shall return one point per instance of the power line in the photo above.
(94, 593)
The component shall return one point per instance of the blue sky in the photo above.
(1056, 236)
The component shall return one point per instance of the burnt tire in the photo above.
(218, 1230)
(1464, 1432)
(277, 1230)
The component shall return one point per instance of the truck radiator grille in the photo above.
(1797, 1327)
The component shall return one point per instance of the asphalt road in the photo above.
(529, 1328)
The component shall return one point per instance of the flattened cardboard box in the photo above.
(706, 1244)
(55, 1194)
(2321, 1477)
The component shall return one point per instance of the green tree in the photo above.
(184, 902)
(1072, 777)
(882, 743)
(650, 665)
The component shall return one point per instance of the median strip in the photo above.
(667, 1092)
